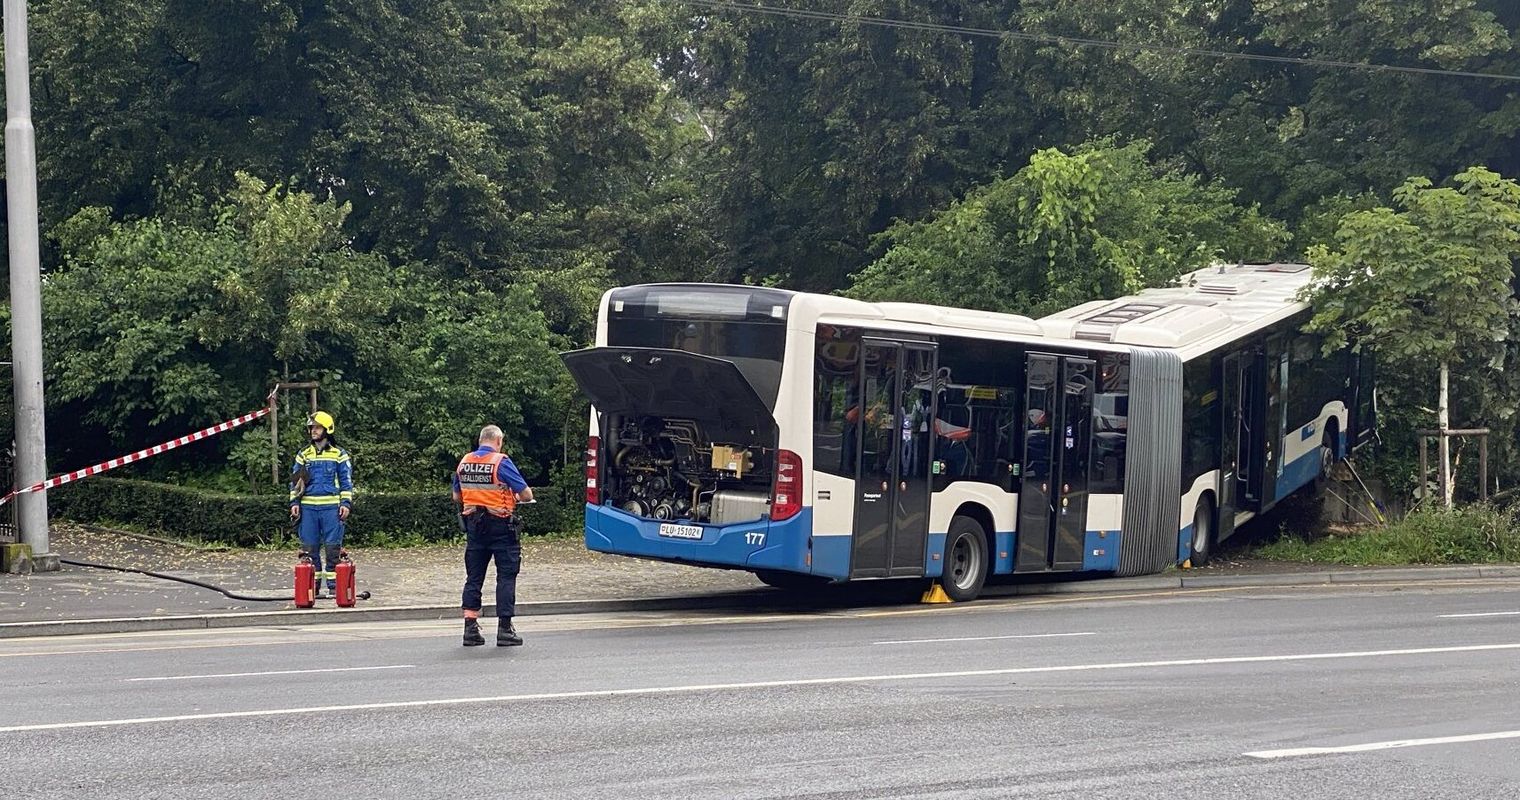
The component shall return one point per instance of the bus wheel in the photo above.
(1203, 532)
(1327, 461)
(789, 581)
(965, 559)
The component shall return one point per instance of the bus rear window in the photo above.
(743, 325)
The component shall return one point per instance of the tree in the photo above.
(169, 323)
(1099, 222)
(1287, 134)
(1430, 284)
(829, 132)
(486, 138)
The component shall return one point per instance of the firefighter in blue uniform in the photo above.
(321, 493)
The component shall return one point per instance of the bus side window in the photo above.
(1200, 418)
(836, 401)
(1306, 395)
(1315, 380)
(1110, 424)
(977, 433)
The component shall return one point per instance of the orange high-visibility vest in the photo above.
(479, 486)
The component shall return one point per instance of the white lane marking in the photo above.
(712, 687)
(1485, 614)
(104, 650)
(988, 638)
(1363, 748)
(272, 672)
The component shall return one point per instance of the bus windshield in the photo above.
(740, 324)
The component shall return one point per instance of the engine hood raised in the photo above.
(649, 381)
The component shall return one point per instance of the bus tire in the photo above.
(1205, 532)
(1328, 458)
(966, 559)
(789, 581)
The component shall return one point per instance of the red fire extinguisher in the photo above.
(344, 574)
(306, 582)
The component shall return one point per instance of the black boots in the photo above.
(472, 637)
(506, 635)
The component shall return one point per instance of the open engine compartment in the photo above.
(670, 468)
(683, 436)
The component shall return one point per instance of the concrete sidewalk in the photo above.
(431, 576)
(558, 576)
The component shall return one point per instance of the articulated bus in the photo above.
(810, 438)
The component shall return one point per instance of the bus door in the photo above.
(1276, 417)
(1244, 444)
(1058, 412)
(1231, 443)
(892, 422)
(1361, 420)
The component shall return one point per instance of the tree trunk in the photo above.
(1443, 418)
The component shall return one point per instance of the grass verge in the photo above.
(1471, 535)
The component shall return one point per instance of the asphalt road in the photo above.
(1300, 693)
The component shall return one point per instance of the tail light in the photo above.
(593, 490)
(786, 495)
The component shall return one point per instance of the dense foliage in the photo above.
(1064, 230)
(418, 203)
(1430, 289)
(181, 322)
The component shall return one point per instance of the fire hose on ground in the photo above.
(232, 595)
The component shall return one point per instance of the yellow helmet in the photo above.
(320, 418)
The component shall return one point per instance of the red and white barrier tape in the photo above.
(59, 480)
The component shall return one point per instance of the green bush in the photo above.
(1475, 534)
(248, 520)
(561, 505)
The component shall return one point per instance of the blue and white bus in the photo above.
(808, 437)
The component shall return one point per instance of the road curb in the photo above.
(1233, 581)
(1144, 583)
(329, 616)
(1345, 576)
(769, 599)
(1397, 575)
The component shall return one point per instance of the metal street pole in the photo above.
(26, 287)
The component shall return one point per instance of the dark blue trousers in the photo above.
(490, 537)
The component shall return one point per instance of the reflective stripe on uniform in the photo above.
(322, 478)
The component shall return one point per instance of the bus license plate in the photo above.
(680, 531)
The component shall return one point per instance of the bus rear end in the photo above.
(683, 462)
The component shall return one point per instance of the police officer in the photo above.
(321, 493)
(488, 487)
